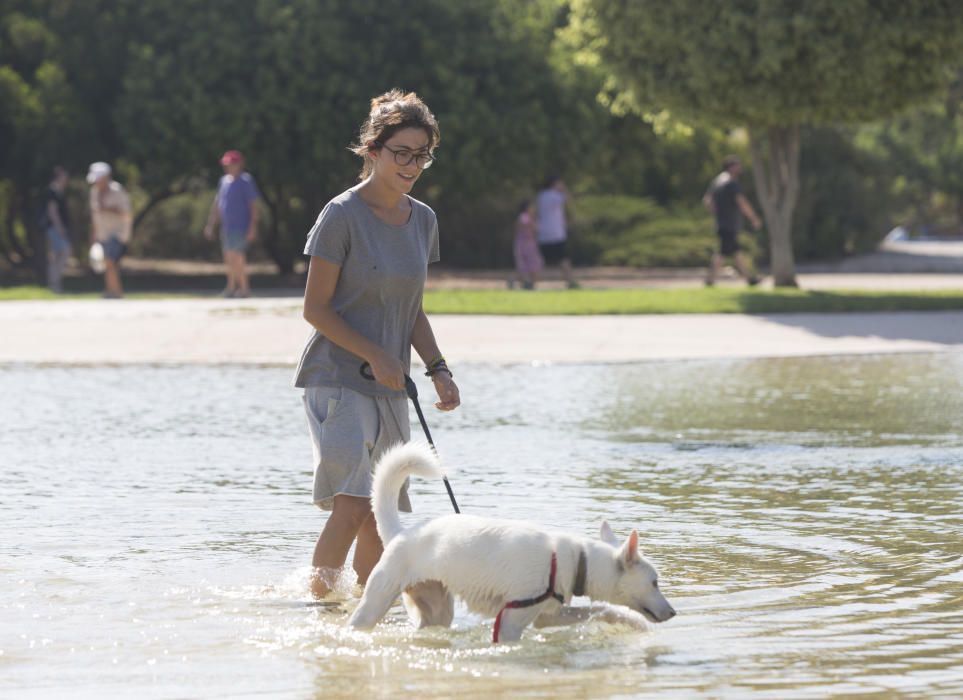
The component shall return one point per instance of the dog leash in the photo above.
(412, 390)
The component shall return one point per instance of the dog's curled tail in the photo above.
(396, 465)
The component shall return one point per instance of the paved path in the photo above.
(271, 330)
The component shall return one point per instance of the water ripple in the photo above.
(803, 514)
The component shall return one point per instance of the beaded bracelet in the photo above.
(438, 365)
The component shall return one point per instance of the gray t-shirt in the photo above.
(379, 291)
(550, 216)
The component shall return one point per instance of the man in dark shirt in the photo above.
(56, 223)
(725, 200)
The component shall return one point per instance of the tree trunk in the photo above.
(155, 199)
(29, 253)
(775, 170)
(272, 238)
(40, 267)
(36, 239)
(19, 253)
(6, 238)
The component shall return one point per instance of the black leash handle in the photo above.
(412, 390)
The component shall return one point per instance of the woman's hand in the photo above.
(447, 391)
(388, 370)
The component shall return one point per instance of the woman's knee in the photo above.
(369, 526)
(353, 509)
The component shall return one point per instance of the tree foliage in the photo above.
(160, 89)
(56, 94)
(922, 150)
(766, 62)
(773, 65)
(166, 87)
(289, 82)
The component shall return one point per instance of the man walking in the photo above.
(235, 207)
(111, 223)
(551, 228)
(725, 200)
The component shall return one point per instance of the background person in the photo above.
(56, 221)
(724, 198)
(552, 228)
(370, 250)
(235, 207)
(528, 259)
(110, 223)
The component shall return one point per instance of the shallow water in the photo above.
(804, 515)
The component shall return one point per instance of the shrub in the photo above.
(174, 229)
(844, 204)
(623, 230)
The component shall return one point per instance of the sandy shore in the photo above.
(271, 331)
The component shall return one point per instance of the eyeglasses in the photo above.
(404, 157)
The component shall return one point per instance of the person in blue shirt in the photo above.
(235, 208)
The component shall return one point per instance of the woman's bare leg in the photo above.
(331, 550)
(368, 550)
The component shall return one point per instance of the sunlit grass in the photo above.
(684, 301)
(621, 301)
(36, 293)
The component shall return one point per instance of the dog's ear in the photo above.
(630, 550)
(607, 536)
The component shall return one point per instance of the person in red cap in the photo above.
(235, 208)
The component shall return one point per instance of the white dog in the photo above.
(510, 570)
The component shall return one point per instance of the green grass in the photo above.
(626, 301)
(34, 293)
(684, 301)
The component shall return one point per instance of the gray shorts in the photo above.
(234, 239)
(349, 432)
(114, 248)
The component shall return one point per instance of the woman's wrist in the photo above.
(437, 366)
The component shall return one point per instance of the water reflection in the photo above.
(803, 513)
(866, 401)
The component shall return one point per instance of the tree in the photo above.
(35, 128)
(773, 66)
(923, 151)
(57, 88)
(844, 206)
(289, 82)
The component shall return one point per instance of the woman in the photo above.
(370, 249)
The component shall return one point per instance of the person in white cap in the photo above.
(110, 223)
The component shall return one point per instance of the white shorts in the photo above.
(349, 432)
